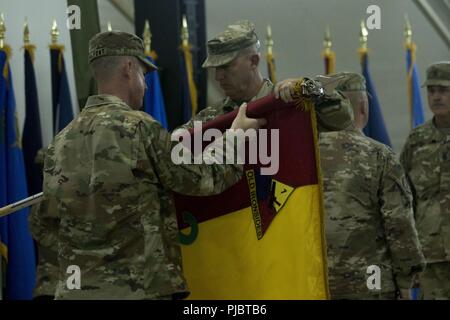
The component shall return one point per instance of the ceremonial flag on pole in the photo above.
(414, 96)
(153, 99)
(375, 128)
(16, 245)
(32, 135)
(188, 87)
(62, 103)
(264, 237)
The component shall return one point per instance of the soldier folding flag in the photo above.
(263, 238)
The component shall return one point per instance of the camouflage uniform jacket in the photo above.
(426, 159)
(110, 177)
(369, 217)
(44, 230)
(335, 117)
(46, 240)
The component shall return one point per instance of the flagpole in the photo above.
(269, 57)
(409, 46)
(21, 204)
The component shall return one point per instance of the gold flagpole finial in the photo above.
(54, 33)
(327, 39)
(408, 31)
(2, 31)
(184, 32)
(147, 35)
(363, 35)
(109, 27)
(26, 33)
(269, 40)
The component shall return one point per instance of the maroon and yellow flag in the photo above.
(264, 237)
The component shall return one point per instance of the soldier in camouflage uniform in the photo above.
(426, 159)
(108, 183)
(368, 209)
(234, 54)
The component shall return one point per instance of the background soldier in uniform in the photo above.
(368, 208)
(426, 159)
(108, 182)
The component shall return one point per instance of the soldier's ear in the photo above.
(127, 68)
(254, 59)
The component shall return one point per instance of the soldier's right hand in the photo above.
(243, 122)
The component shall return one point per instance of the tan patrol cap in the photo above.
(438, 74)
(224, 47)
(118, 43)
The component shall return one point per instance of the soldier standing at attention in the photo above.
(368, 210)
(426, 159)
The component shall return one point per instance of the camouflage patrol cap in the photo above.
(118, 43)
(224, 47)
(438, 74)
(350, 82)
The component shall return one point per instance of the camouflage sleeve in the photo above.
(335, 113)
(43, 226)
(206, 114)
(189, 179)
(43, 223)
(405, 160)
(399, 225)
(43, 220)
(45, 231)
(405, 156)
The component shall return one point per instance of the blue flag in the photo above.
(32, 135)
(153, 99)
(375, 129)
(415, 98)
(62, 103)
(16, 239)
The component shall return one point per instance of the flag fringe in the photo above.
(30, 48)
(330, 61)
(4, 251)
(321, 203)
(271, 66)
(60, 48)
(7, 50)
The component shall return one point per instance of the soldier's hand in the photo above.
(243, 122)
(285, 90)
